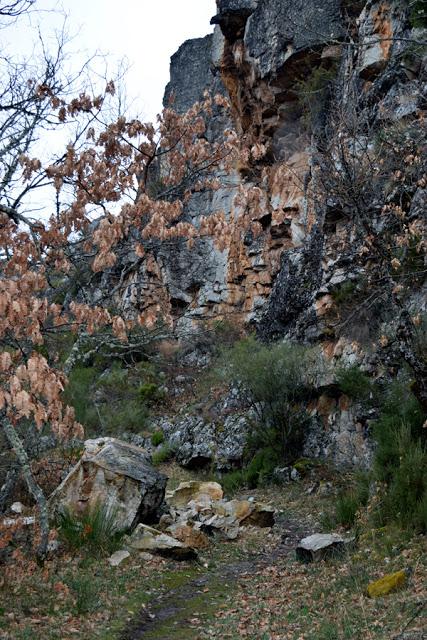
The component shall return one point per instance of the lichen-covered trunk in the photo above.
(7, 487)
(22, 457)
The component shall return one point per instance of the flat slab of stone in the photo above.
(320, 546)
(146, 538)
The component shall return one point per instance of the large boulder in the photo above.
(116, 475)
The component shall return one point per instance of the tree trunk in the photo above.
(8, 486)
(33, 487)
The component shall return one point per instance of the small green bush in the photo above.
(148, 391)
(276, 381)
(164, 454)
(405, 499)
(86, 593)
(313, 92)
(157, 438)
(418, 13)
(95, 531)
(226, 333)
(344, 292)
(233, 481)
(78, 394)
(401, 459)
(260, 469)
(399, 408)
(346, 508)
(349, 502)
(122, 401)
(354, 383)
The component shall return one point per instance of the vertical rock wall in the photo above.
(266, 56)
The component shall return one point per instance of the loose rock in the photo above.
(320, 546)
(117, 558)
(387, 584)
(193, 490)
(146, 538)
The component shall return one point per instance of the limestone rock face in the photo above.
(285, 66)
(198, 442)
(116, 475)
(279, 29)
(191, 74)
(380, 23)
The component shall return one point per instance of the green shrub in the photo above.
(226, 333)
(122, 402)
(276, 381)
(233, 481)
(354, 383)
(95, 531)
(86, 593)
(418, 13)
(399, 408)
(164, 454)
(401, 458)
(406, 496)
(344, 292)
(78, 394)
(260, 469)
(346, 508)
(420, 515)
(313, 92)
(148, 392)
(157, 438)
(349, 502)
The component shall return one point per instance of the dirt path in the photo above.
(169, 615)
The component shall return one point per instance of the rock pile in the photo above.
(196, 511)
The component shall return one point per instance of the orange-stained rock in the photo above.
(189, 536)
(194, 490)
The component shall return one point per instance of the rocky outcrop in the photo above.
(116, 476)
(194, 512)
(198, 442)
(265, 56)
(313, 82)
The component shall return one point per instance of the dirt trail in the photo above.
(169, 614)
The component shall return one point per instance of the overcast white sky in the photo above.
(146, 32)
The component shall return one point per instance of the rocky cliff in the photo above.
(334, 91)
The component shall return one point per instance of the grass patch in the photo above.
(165, 453)
(95, 531)
(85, 592)
(157, 438)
